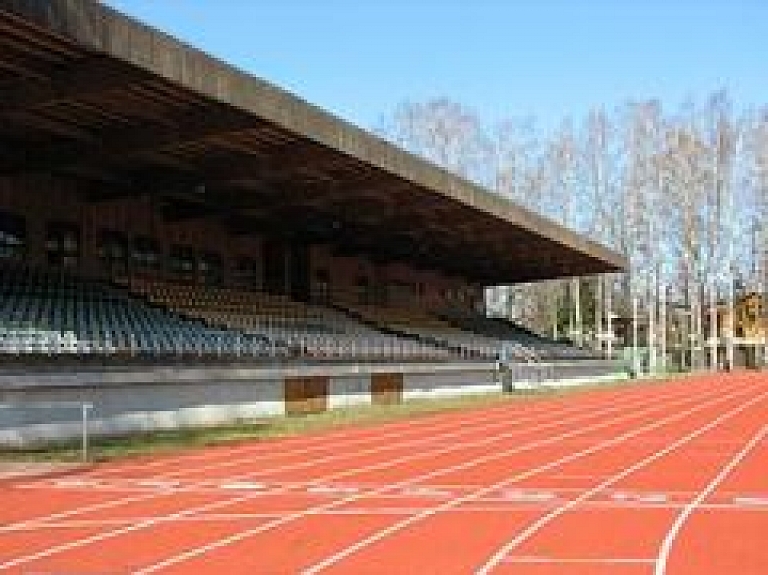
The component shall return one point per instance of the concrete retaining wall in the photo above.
(421, 385)
(133, 407)
(562, 374)
(143, 398)
(346, 391)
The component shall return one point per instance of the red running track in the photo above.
(657, 478)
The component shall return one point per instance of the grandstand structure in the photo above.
(182, 243)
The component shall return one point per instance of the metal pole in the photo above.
(599, 316)
(609, 314)
(731, 318)
(663, 322)
(651, 331)
(713, 331)
(85, 408)
(635, 359)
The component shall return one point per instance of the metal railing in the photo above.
(84, 407)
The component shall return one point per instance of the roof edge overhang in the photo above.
(107, 31)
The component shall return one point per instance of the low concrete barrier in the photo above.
(136, 399)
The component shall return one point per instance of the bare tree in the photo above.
(684, 196)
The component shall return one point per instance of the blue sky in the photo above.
(502, 58)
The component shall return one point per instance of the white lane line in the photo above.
(207, 518)
(533, 496)
(332, 490)
(158, 484)
(201, 550)
(653, 498)
(481, 506)
(341, 452)
(240, 485)
(640, 497)
(444, 429)
(70, 483)
(666, 546)
(382, 534)
(750, 501)
(305, 444)
(487, 507)
(612, 407)
(426, 492)
(593, 414)
(497, 557)
(579, 561)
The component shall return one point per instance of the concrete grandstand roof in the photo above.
(91, 93)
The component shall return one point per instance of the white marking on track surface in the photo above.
(242, 485)
(660, 566)
(521, 537)
(586, 560)
(532, 496)
(69, 484)
(428, 492)
(640, 497)
(474, 461)
(332, 490)
(750, 501)
(160, 484)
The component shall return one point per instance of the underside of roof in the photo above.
(89, 93)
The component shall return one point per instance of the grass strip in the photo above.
(262, 429)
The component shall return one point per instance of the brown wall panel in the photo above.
(295, 401)
(305, 395)
(386, 388)
(317, 389)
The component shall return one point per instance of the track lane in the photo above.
(267, 545)
(415, 531)
(101, 501)
(724, 540)
(325, 440)
(343, 529)
(71, 545)
(580, 530)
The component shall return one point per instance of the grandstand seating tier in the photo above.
(54, 312)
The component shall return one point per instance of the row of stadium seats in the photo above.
(57, 313)
(505, 330)
(313, 330)
(428, 329)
